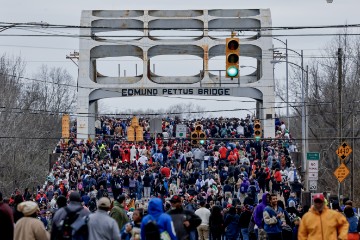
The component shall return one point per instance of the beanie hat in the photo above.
(28, 208)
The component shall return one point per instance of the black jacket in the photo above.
(179, 216)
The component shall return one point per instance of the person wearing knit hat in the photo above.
(30, 225)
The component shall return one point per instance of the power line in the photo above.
(273, 28)
(172, 36)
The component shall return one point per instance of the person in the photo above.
(231, 224)
(147, 185)
(184, 220)
(204, 214)
(216, 223)
(100, 224)
(29, 226)
(245, 218)
(6, 220)
(118, 211)
(353, 223)
(258, 215)
(132, 229)
(163, 220)
(320, 222)
(61, 214)
(274, 219)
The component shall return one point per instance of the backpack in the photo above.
(151, 230)
(67, 230)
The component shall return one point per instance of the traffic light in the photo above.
(202, 137)
(232, 55)
(257, 129)
(130, 134)
(139, 134)
(198, 136)
(194, 138)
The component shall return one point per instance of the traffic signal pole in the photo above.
(339, 106)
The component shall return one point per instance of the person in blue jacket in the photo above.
(163, 220)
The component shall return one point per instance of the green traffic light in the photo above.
(232, 71)
(202, 141)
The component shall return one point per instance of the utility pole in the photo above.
(72, 56)
(353, 159)
(339, 53)
(287, 86)
(303, 135)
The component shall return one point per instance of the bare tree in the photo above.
(322, 107)
(30, 121)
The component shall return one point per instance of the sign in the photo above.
(65, 124)
(155, 125)
(127, 92)
(313, 156)
(181, 131)
(343, 151)
(313, 176)
(312, 185)
(313, 166)
(341, 172)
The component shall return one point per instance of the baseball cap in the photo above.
(175, 199)
(104, 202)
(319, 196)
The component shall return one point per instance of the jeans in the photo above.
(147, 192)
(245, 234)
(192, 235)
(139, 192)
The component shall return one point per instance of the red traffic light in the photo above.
(233, 44)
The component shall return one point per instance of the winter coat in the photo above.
(258, 214)
(232, 226)
(30, 228)
(118, 213)
(163, 220)
(328, 224)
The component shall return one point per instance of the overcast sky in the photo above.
(52, 51)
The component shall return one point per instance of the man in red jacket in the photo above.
(222, 152)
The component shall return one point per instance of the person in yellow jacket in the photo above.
(322, 223)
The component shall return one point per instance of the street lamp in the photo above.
(287, 80)
(303, 113)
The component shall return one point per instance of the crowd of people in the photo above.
(231, 186)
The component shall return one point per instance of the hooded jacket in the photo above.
(258, 214)
(328, 224)
(163, 220)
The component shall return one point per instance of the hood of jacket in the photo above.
(155, 207)
(258, 214)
